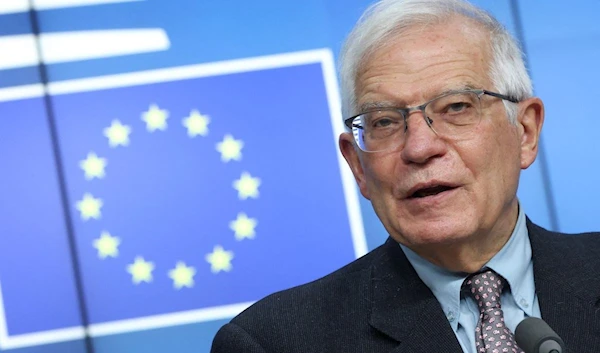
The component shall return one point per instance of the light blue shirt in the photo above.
(513, 262)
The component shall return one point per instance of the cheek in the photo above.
(507, 148)
(493, 158)
(381, 172)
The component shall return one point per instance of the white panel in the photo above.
(61, 47)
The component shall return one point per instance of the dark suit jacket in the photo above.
(379, 304)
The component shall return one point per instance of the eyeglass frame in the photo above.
(407, 111)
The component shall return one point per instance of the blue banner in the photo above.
(195, 196)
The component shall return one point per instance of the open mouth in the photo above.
(430, 191)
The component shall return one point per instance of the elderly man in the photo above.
(441, 120)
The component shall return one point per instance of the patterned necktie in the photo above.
(491, 333)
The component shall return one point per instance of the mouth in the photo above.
(428, 191)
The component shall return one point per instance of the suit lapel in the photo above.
(566, 281)
(568, 287)
(404, 309)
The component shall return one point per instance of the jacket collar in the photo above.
(403, 307)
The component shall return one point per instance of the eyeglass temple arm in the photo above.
(502, 96)
(350, 124)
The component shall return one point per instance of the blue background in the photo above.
(561, 40)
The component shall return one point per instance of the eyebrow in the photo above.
(370, 106)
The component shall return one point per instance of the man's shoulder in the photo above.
(337, 286)
(568, 249)
(337, 301)
(588, 241)
(329, 314)
(587, 245)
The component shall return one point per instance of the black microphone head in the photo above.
(534, 335)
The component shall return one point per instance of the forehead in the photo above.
(425, 61)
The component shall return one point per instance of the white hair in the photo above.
(388, 18)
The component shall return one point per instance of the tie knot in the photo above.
(486, 288)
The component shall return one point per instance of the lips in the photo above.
(429, 189)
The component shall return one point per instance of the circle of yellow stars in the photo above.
(196, 124)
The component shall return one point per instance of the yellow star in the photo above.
(155, 118)
(141, 270)
(93, 166)
(247, 186)
(89, 207)
(118, 134)
(243, 226)
(220, 259)
(182, 276)
(230, 148)
(196, 124)
(107, 245)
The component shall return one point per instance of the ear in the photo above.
(351, 154)
(530, 121)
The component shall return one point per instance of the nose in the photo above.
(421, 142)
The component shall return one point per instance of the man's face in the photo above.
(472, 179)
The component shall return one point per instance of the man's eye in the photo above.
(383, 122)
(457, 107)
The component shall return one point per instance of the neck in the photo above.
(471, 254)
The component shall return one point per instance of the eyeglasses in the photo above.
(451, 115)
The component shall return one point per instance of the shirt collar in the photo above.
(511, 262)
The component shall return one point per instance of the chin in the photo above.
(430, 233)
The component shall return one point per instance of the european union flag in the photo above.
(37, 292)
(195, 191)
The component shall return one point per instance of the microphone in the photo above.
(534, 335)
